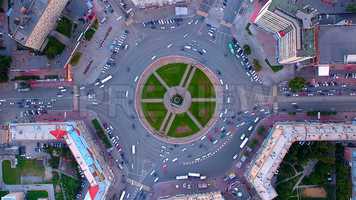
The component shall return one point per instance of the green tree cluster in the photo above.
(5, 62)
(247, 49)
(296, 84)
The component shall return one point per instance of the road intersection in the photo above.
(113, 102)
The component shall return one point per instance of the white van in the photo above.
(133, 149)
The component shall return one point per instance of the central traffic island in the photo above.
(177, 99)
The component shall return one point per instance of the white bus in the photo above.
(106, 79)
(133, 149)
(122, 196)
(181, 177)
(197, 175)
(243, 144)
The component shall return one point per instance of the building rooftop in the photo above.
(321, 6)
(32, 20)
(30, 131)
(73, 134)
(335, 42)
(263, 167)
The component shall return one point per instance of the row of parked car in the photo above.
(109, 63)
(114, 139)
(153, 23)
(239, 53)
(118, 44)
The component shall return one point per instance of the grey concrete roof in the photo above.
(334, 42)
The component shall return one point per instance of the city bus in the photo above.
(122, 196)
(197, 175)
(106, 79)
(181, 177)
(243, 144)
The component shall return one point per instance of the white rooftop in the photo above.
(34, 131)
(275, 147)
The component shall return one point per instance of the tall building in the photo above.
(268, 158)
(74, 134)
(32, 20)
(288, 30)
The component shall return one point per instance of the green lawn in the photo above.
(172, 73)
(182, 126)
(36, 194)
(70, 185)
(203, 111)
(88, 35)
(64, 26)
(200, 86)
(25, 167)
(154, 113)
(53, 48)
(153, 88)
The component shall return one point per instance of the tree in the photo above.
(351, 8)
(253, 144)
(53, 48)
(261, 130)
(5, 62)
(296, 84)
(247, 49)
(257, 65)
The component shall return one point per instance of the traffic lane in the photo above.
(231, 10)
(144, 54)
(329, 103)
(347, 106)
(216, 165)
(147, 146)
(34, 93)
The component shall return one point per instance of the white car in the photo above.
(136, 78)
(153, 57)
(170, 45)
(235, 156)
(174, 159)
(221, 82)
(156, 179)
(242, 137)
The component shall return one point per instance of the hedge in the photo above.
(101, 133)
